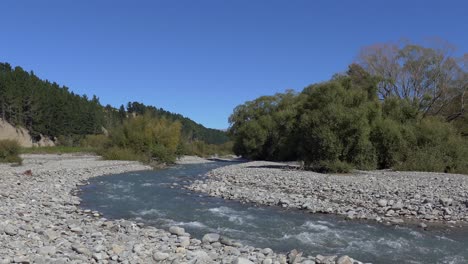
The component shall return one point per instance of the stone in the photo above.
(117, 249)
(398, 205)
(397, 221)
(80, 249)
(98, 256)
(75, 229)
(160, 256)
(98, 248)
(226, 241)
(294, 256)
(345, 260)
(47, 250)
(446, 201)
(210, 238)
(241, 260)
(382, 202)
(267, 251)
(184, 241)
(10, 230)
(319, 259)
(175, 230)
(199, 256)
(21, 259)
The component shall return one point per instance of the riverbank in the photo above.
(41, 222)
(384, 196)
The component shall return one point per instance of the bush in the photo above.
(437, 148)
(144, 138)
(331, 167)
(389, 144)
(9, 151)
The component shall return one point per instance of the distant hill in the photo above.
(190, 129)
(46, 108)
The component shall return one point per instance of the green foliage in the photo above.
(335, 166)
(341, 124)
(190, 130)
(148, 138)
(389, 144)
(9, 152)
(202, 149)
(44, 107)
(438, 148)
(95, 141)
(261, 128)
(117, 153)
(58, 150)
(78, 123)
(335, 123)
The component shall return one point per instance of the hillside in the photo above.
(20, 134)
(46, 108)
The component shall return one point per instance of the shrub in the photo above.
(437, 148)
(389, 144)
(336, 166)
(9, 151)
(144, 138)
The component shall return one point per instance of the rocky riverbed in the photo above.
(385, 196)
(41, 222)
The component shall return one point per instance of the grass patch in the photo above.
(57, 150)
(116, 153)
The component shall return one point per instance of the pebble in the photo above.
(372, 195)
(41, 222)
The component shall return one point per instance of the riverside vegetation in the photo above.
(401, 108)
(9, 151)
(134, 132)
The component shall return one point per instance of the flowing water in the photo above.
(157, 198)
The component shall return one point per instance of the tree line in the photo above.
(400, 107)
(136, 131)
(44, 107)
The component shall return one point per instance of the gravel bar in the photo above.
(41, 222)
(393, 197)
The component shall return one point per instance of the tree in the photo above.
(122, 113)
(428, 76)
(261, 128)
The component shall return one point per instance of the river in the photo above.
(158, 198)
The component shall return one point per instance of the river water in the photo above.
(152, 197)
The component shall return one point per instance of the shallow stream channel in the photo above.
(158, 198)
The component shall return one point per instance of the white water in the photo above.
(147, 197)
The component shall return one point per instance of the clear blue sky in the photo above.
(202, 58)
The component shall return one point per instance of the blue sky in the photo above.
(202, 58)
